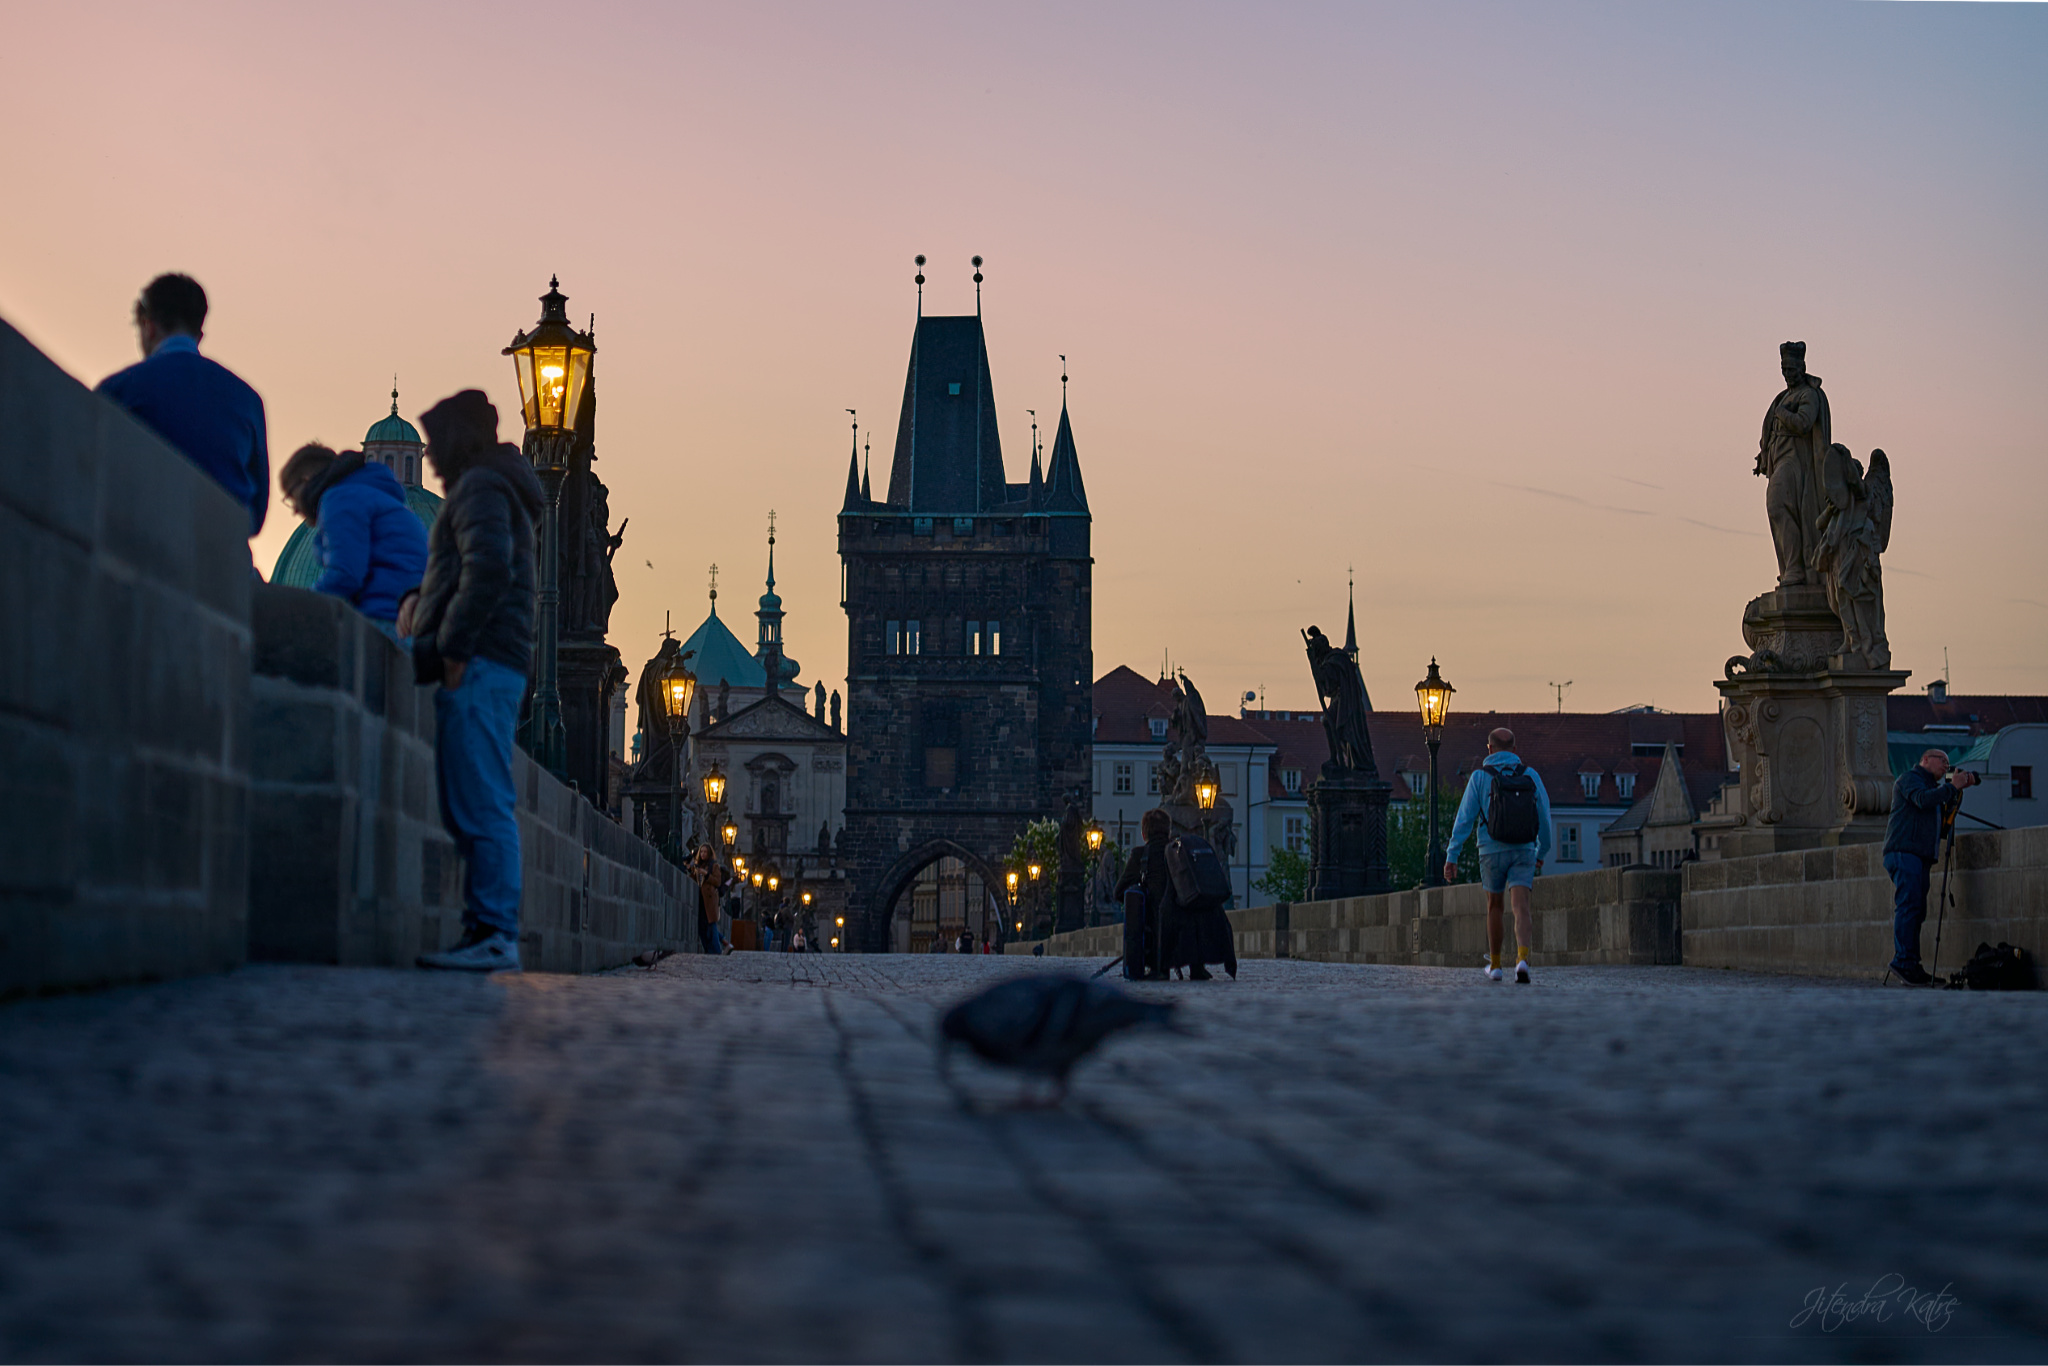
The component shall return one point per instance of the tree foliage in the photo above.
(1408, 840)
(1286, 876)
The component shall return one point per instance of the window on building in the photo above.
(941, 744)
(1296, 828)
(1158, 724)
(893, 633)
(1589, 783)
(1626, 782)
(907, 639)
(1152, 779)
(995, 637)
(974, 637)
(1121, 780)
(1230, 780)
(941, 765)
(1290, 779)
(1568, 843)
(2022, 782)
(1097, 789)
(1416, 781)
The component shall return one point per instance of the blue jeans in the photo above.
(1909, 906)
(1514, 866)
(473, 727)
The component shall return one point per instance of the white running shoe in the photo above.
(1522, 973)
(479, 950)
(1492, 973)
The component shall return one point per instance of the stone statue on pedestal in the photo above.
(1804, 710)
(1348, 803)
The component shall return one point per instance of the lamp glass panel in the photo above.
(522, 366)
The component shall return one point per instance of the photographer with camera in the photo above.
(1923, 809)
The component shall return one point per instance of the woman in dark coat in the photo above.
(1174, 936)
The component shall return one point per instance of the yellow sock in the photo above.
(1493, 960)
(1522, 953)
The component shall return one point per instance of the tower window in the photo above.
(911, 638)
(893, 634)
(953, 389)
(974, 637)
(995, 637)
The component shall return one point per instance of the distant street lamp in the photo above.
(552, 363)
(1205, 791)
(1095, 837)
(729, 834)
(1433, 695)
(714, 789)
(678, 686)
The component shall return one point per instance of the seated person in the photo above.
(372, 547)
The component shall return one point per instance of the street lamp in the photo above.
(1433, 695)
(678, 686)
(714, 789)
(552, 363)
(730, 834)
(1205, 792)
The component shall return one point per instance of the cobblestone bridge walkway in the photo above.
(754, 1158)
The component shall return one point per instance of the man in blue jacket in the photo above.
(1506, 866)
(1922, 801)
(198, 406)
(373, 550)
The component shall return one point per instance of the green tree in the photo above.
(1286, 876)
(1408, 840)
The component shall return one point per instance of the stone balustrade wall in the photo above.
(124, 690)
(349, 861)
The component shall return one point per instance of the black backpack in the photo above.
(1511, 813)
(2005, 968)
(1199, 880)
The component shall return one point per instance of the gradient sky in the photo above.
(1482, 299)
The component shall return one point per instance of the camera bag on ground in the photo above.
(1199, 880)
(2005, 968)
(1511, 814)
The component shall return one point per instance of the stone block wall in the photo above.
(1613, 915)
(1829, 911)
(350, 863)
(124, 685)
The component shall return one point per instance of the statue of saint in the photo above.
(1855, 528)
(1790, 456)
(659, 758)
(1342, 690)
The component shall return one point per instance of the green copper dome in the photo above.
(393, 427)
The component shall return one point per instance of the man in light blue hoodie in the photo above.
(1506, 802)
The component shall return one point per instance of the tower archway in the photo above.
(936, 891)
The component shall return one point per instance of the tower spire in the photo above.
(770, 617)
(394, 395)
(1351, 613)
(853, 495)
(714, 590)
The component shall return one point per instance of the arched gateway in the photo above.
(934, 892)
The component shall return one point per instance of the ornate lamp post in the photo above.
(1433, 695)
(728, 834)
(714, 791)
(839, 924)
(678, 686)
(553, 365)
(1094, 836)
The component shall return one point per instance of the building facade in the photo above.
(969, 660)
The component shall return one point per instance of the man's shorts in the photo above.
(1508, 868)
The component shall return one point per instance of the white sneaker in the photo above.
(1522, 973)
(1492, 973)
(479, 950)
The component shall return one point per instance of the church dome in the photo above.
(393, 428)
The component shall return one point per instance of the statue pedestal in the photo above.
(589, 670)
(1348, 820)
(1806, 731)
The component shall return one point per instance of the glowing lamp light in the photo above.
(714, 790)
(1020, 927)
(835, 941)
(739, 863)
(1433, 696)
(840, 922)
(678, 686)
(552, 363)
(757, 880)
(730, 833)
(807, 898)
(1094, 839)
(1034, 872)
(773, 883)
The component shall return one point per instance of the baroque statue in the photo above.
(1855, 527)
(1341, 689)
(1790, 456)
(657, 762)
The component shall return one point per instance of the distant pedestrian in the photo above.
(200, 407)
(1146, 868)
(1505, 800)
(1923, 801)
(964, 942)
(472, 630)
(710, 878)
(372, 548)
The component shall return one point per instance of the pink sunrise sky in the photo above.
(1484, 300)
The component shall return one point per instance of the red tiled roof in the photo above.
(1982, 714)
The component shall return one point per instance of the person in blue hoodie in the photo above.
(199, 406)
(373, 550)
(1509, 860)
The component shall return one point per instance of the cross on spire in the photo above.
(714, 590)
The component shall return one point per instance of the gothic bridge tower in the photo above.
(969, 663)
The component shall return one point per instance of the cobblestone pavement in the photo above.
(755, 1158)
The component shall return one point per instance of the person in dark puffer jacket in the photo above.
(472, 629)
(373, 550)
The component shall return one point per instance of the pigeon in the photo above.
(651, 957)
(1043, 1025)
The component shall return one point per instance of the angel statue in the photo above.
(1855, 527)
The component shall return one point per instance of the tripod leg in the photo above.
(1948, 859)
